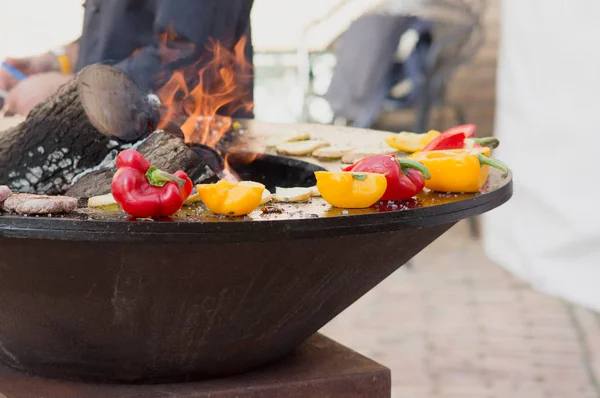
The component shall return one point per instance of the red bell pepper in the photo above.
(460, 137)
(405, 177)
(143, 191)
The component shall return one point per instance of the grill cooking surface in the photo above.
(273, 221)
(316, 207)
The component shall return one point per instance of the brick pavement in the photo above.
(457, 325)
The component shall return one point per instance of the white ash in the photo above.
(206, 175)
(22, 185)
(137, 144)
(56, 156)
(153, 100)
(110, 159)
(34, 174)
(64, 163)
(30, 154)
(112, 144)
(107, 162)
(13, 359)
(50, 167)
(46, 187)
(56, 160)
(40, 149)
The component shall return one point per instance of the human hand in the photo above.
(28, 66)
(33, 90)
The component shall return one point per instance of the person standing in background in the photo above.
(127, 34)
(547, 120)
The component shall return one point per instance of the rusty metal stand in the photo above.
(319, 368)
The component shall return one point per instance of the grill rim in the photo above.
(20, 227)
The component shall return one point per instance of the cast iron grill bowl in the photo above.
(102, 298)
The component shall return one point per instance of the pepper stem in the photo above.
(490, 142)
(159, 178)
(413, 164)
(484, 160)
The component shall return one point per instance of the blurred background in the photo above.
(454, 323)
(294, 67)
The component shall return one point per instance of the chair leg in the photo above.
(423, 112)
(474, 227)
(459, 115)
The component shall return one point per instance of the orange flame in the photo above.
(220, 85)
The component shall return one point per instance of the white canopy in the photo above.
(548, 122)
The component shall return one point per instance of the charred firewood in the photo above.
(73, 130)
(68, 143)
(165, 150)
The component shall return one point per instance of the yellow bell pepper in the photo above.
(411, 142)
(458, 170)
(350, 190)
(231, 199)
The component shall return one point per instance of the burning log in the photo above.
(73, 130)
(67, 144)
(167, 151)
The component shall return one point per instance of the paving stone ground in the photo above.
(455, 324)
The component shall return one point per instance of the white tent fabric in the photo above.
(548, 121)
